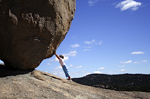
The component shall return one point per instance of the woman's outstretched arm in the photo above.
(57, 56)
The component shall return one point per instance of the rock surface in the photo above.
(17, 84)
(31, 30)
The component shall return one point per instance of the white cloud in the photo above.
(58, 73)
(66, 58)
(101, 68)
(73, 36)
(129, 4)
(70, 65)
(111, 72)
(122, 66)
(100, 42)
(59, 67)
(136, 62)
(89, 42)
(79, 67)
(48, 64)
(126, 62)
(72, 53)
(93, 41)
(138, 52)
(144, 61)
(75, 45)
(92, 2)
(87, 50)
(55, 73)
(97, 72)
(86, 74)
(88, 47)
(122, 70)
(51, 60)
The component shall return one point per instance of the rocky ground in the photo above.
(34, 84)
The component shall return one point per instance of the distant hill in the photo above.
(122, 82)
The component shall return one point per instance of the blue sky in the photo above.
(106, 36)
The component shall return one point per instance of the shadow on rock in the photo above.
(4, 71)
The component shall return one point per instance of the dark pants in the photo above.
(65, 71)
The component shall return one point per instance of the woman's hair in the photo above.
(61, 56)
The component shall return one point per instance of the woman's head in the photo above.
(61, 56)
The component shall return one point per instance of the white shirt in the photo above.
(62, 63)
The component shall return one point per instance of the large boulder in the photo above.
(32, 30)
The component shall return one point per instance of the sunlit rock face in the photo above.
(31, 30)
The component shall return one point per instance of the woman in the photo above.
(63, 65)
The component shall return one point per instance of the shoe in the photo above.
(69, 78)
